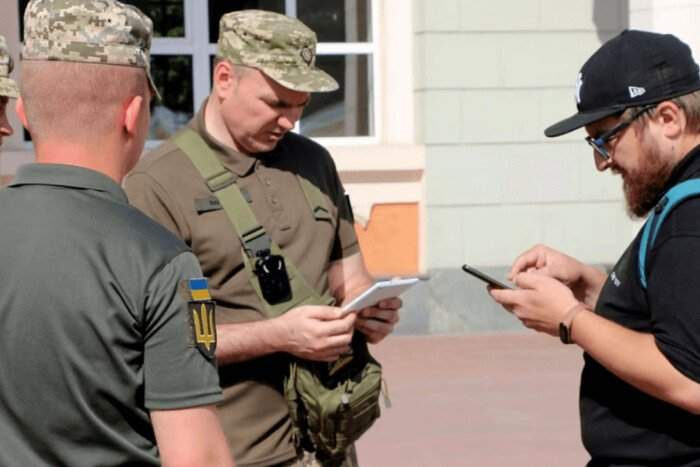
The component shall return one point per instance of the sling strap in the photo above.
(222, 183)
(673, 197)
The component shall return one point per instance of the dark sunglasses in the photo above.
(600, 143)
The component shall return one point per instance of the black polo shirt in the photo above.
(622, 426)
(95, 324)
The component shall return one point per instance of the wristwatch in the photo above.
(566, 323)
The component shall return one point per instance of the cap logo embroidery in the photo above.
(307, 55)
(579, 84)
(636, 91)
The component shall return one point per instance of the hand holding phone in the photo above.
(495, 283)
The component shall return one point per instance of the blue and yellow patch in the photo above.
(202, 313)
(199, 289)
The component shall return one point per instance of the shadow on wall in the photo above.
(603, 10)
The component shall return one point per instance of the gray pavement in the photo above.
(486, 400)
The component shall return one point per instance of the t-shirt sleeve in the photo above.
(674, 301)
(177, 374)
(345, 243)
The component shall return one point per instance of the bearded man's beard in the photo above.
(645, 185)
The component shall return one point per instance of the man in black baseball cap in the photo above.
(639, 326)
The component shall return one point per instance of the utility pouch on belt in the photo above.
(331, 406)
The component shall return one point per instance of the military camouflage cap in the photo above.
(283, 48)
(90, 31)
(8, 87)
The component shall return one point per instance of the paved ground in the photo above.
(477, 400)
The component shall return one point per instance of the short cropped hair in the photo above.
(688, 103)
(75, 101)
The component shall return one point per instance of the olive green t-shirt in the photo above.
(96, 329)
(167, 187)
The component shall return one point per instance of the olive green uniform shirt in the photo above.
(95, 328)
(167, 187)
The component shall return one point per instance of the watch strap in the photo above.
(566, 324)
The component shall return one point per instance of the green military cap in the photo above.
(8, 87)
(283, 48)
(90, 31)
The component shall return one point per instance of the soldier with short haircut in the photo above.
(8, 88)
(286, 202)
(107, 354)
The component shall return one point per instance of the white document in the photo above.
(380, 291)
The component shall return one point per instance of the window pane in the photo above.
(173, 77)
(337, 20)
(168, 16)
(22, 7)
(217, 9)
(347, 111)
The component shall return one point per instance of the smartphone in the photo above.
(495, 283)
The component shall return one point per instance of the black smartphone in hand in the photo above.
(495, 283)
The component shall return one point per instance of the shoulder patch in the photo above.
(202, 313)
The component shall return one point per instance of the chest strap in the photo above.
(673, 197)
(222, 183)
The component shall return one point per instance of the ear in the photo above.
(21, 113)
(132, 114)
(224, 78)
(672, 119)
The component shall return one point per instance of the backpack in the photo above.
(673, 197)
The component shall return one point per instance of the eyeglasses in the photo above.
(600, 143)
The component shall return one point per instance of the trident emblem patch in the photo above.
(203, 321)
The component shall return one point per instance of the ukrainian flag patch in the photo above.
(199, 289)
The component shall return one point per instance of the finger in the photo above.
(505, 297)
(389, 315)
(338, 327)
(526, 260)
(393, 303)
(324, 313)
(529, 280)
(374, 326)
(373, 338)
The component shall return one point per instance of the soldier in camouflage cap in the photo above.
(262, 80)
(124, 370)
(283, 48)
(89, 31)
(8, 88)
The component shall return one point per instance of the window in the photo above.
(186, 33)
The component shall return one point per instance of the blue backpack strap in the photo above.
(671, 199)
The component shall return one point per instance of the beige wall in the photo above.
(669, 16)
(491, 76)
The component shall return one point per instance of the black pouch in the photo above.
(273, 278)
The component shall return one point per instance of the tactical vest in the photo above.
(331, 406)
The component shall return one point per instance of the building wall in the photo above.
(679, 17)
(490, 76)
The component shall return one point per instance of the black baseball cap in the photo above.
(632, 69)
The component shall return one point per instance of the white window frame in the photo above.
(196, 44)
